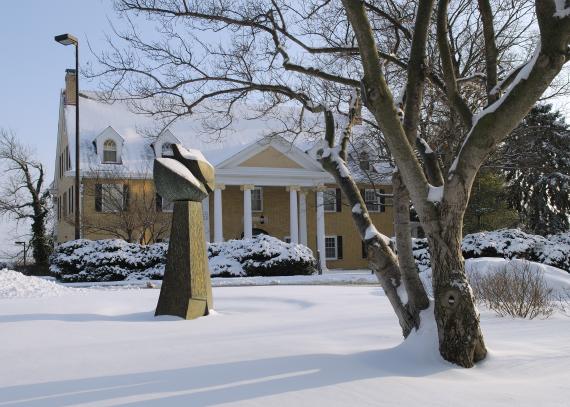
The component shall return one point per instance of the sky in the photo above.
(32, 70)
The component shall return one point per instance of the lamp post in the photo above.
(68, 39)
(23, 244)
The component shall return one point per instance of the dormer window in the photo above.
(109, 151)
(167, 150)
(364, 161)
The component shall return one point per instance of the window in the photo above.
(167, 150)
(364, 161)
(257, 199)
(109, 151)
(64, 204)
(163, 205)
(374, 200)
(331, 200)
(333, 247)
(111, 197)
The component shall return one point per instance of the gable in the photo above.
(270, 158)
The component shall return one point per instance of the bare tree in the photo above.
(126, 206)
(23, 194)
(450, 66)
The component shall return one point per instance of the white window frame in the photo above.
(253, 209)
(106, 190)
(169, 150)
(329, 192)
(368, 202)
(335, 239)
(116, 151)
(166, 205)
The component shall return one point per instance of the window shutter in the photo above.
(339, 247)
(382, 201)
(126, 197)
(158, 201)
(338, 200)
(98, 197)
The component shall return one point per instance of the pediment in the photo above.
(271, 153)
(270, 158)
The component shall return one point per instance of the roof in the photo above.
(137, 153)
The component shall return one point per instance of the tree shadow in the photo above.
(235, 308)
(210, 385)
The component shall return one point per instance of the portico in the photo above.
(281, 203)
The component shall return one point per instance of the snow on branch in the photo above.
(561, 10)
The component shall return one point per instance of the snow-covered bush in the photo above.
(261, 256)
(107, 260)
(115, 260)
(553, 250)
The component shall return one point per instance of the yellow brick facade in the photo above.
(275, 214)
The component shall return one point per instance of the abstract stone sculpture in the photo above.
(186, 180)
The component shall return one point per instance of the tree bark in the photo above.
(417, 296)
(459, 333)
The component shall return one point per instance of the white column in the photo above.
(247, 220)
(303, 217)
(206, 216)
(218, 222)
(293, 214)
(321, 228)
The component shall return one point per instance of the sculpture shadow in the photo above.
(215, 384)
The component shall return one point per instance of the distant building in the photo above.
(282, 181)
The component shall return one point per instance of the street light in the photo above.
(23, 244)
(68, 39)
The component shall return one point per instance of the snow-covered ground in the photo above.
(295, 345)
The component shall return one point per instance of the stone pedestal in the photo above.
(186, 289)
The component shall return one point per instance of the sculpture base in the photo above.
(186, 290)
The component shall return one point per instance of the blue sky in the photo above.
(33, 65)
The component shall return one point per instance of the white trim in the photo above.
(260, 189)
(335, 203)
(109, 134)
(288, 149)
(165, 137)
(335, 237)
(378, 202)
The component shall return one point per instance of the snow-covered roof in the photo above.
(137, 148)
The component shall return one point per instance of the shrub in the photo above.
(553, 250)
(116, 260)
(107, 260)
(261, 256)
(515, 289)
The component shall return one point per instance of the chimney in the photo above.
(70, 86)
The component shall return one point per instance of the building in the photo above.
(263, 184)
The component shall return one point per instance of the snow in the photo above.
(180, 169)
(561, 9)
(371, 232)
(357, 208)
(334, 154)
(265, 346)
(427, 148)
(435, 194)
(16, 285)
(523, 74)
(192, 154)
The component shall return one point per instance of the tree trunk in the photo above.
(460, 337)
(41, 247)
(417, 296)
